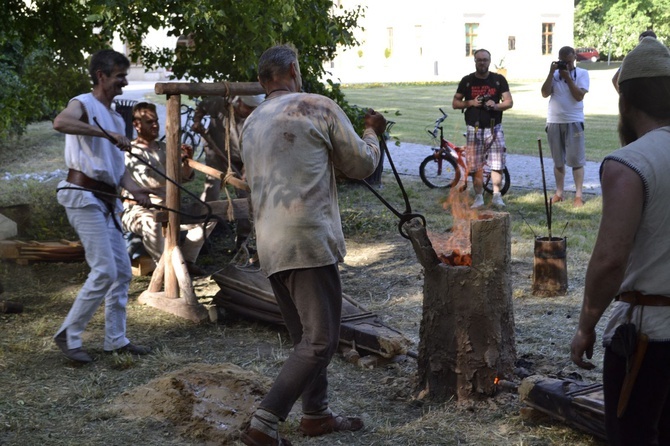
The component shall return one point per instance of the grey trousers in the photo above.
(310, 301)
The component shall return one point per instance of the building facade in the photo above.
(433, 40)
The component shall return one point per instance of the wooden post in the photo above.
(171, 273)
(467, 327)
(172, 201)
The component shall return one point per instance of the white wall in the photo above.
(442, 38)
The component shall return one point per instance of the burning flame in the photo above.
(455, 249)
(496, 380)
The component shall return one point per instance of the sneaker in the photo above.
(497, 200)
(479, 202)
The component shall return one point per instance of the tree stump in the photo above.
(467, 327)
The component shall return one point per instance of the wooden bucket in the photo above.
(550, 272)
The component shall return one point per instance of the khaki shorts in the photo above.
(566, 142)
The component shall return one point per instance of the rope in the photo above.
(229, 171)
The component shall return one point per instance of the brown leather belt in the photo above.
(80, 179)
(650, 300)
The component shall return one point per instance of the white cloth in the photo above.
(649, 261)
(142, 221)
(97, 158)
(563, 108)
(103, 243)
(290, 147)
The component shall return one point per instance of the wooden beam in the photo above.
(212, 172)
(229, 89)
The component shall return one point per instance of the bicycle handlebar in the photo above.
(437, 123)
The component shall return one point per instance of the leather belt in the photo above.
(650, 300)
(80, 179)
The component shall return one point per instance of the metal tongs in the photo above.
(407, 215)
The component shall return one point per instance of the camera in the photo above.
(561, 64)
(483, 99)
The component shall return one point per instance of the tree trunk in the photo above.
(467, 328)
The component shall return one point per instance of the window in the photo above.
(547, 38)
(511, 43)
(471, 38)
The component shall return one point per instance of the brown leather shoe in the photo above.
(556, 198)
(578, 202)
(254, 437)
(333, 423)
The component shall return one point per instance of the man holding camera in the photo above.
(566, 86)
(483, 96)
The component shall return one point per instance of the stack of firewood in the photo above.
(26, 252)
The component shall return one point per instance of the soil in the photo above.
(204, 380)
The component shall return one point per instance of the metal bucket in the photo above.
(550, 272)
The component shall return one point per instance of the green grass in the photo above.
(414, 108)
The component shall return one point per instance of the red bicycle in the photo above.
(447, 166)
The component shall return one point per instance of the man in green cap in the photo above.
(631, 258)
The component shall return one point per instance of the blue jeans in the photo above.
(310, 301)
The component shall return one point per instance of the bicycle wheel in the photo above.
(488, 184)
(439, 173)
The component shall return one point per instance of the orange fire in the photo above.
(454, 248)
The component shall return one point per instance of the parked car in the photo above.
(591, 54)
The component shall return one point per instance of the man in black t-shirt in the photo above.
(484, 96)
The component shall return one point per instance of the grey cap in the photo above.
(650, 58)
(253, 101)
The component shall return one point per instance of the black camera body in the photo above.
(483, 99)
(561, 65)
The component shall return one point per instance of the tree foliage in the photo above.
(613, 26)
(223, 40)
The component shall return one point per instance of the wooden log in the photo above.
(229, 89)
(467, 327)
(219, 210)
(10, 307)
(212, 172)
(577, 403)
(248, 292)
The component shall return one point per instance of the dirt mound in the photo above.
(208, 402)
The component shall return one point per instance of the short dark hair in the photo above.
(566, 51)
(105, 61)
(140, 107)
(275, 61)
(637, 92)
(647, 33)
(480, 50)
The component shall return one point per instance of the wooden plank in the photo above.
(577, 403)
(248, 292)
(229, 89)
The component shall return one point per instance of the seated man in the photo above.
(217, 108)
(142, 221)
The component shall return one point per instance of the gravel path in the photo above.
(525, 171)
